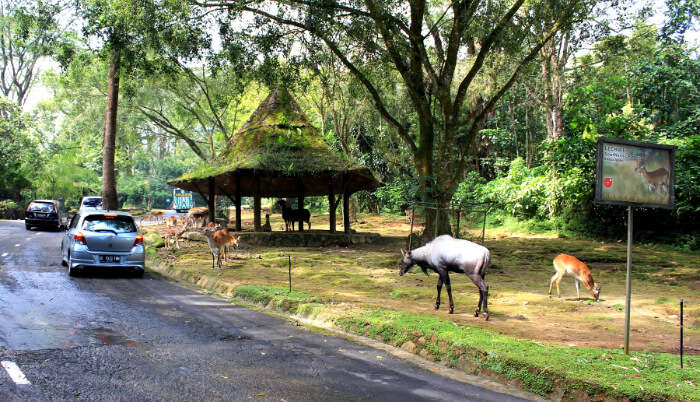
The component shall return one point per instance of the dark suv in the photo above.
(45, 213)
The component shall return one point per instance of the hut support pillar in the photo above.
(238, 203)
(331, 205)
(211, 201)
(256, 205)
(346, 206)
(300, 203)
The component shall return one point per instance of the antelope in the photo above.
(216, 242)
(198, 214)
(410, 216)
(171, 221)
(157, 215)
(445, 254)
(173, 233)
(147, 217)
(567, 264)
(291, 216)
(266, 227)
(656, 179)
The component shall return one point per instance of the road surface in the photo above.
(106, 336)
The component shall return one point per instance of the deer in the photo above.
(410, 216)
(147, 217)
(293, 215)
(445, 254)
(171, 221)
(266, 227)
(198, 214)
(656, 179)
(157, 215)
(568, 264)
(174, 233)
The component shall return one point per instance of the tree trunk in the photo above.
(109, 179)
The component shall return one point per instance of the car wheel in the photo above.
(27, 227)
(63, 260)
(138, 274)
(71, 271)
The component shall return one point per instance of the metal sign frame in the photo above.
(602, 142)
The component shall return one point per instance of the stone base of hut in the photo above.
(306, 239)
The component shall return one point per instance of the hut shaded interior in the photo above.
(279, 153)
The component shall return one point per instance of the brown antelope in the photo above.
(173, 233)
(198, 214)
(157, 215)
(147, 217)
(410, 216)
(216, 242)
(171, 221)
(656, 179)
(567, 264)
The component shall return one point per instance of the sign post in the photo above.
(633, 174)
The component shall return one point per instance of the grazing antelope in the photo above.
(445, 254)
(171, 221)
(656, 179)
(567, 264)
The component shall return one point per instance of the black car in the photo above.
(45, 213)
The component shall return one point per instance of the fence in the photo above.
(459, 213)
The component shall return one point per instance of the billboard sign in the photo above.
(634, 173)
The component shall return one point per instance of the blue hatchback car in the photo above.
(103, 239)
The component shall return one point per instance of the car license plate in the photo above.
(109, 258)
(41, 215)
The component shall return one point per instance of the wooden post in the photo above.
(256, 205)
(300, 203)
(211, 201)
(346, 204)
(331, 205)
(238, 203)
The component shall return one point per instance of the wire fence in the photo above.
(460, 214)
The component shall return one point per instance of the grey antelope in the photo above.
(445, 254)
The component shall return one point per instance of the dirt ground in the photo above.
(518, 278)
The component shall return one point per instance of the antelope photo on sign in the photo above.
(634, 173)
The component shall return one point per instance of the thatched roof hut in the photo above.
(278, 153)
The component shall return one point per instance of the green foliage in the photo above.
(16, 150)
(397, 193)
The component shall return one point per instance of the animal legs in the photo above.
(439, 289)
(483, 294)
(578, 295)
(449, 292)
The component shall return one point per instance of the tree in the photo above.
(15, 149)
(424, 42)
(28, 32)
(143, 33)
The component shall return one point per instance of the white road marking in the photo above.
(4, 255)
(17, 245)
(15, 373)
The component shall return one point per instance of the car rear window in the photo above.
(41, 207)
(92, 202)
(109, 223)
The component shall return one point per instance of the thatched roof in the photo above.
(279, 146)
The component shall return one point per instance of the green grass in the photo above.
(538, 365)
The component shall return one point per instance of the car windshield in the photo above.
(92, 202)
(109, 223)
(41, 207)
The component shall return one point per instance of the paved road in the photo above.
(110, 337)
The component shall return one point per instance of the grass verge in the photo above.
(537, 367)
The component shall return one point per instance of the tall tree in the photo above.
(425, 42)
(144, 34)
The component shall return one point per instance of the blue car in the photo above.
(103, 239)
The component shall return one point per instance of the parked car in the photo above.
(45, 213)
(103, 239)
(90, 203)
